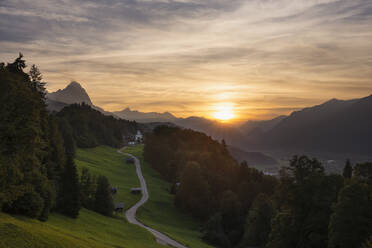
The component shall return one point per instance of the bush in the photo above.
(30, 204)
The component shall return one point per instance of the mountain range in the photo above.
(336, 126)
(134, 115)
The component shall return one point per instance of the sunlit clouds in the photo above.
(266, 57)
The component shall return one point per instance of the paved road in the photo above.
(130, 214)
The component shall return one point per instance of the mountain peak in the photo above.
(74, 84)
(73, 93)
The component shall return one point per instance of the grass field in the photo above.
(93, 230)
(160, 213)
(107, 161)
(88, 231)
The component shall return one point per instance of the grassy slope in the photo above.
(90, 229)
(94, 230)
(160, 213)
(108, 162)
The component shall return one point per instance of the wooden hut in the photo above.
(136, 191)
(119, 206)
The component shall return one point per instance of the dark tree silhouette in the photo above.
(351, 222)
(18, 65)
(103, 203)
(348, 170)
(69, 195)
(26, 146)
(87, 188)
(36, 77)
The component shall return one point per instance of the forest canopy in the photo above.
(241, 207)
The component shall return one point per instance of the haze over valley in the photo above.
(336, 129)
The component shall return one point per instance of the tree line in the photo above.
(90, 128)
(241, 207)
(37, 170)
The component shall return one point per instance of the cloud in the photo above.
(187, 56)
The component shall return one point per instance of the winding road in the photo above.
(130, 214)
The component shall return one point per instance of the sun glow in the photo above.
(224, 113)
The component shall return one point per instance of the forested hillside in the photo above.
(37, 176)
(37, 149)
(90, 128)
(212, 185)
(241, 207)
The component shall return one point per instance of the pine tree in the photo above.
(348, 170)
(18, 65)
(213, 232)
(103, 203)
(67, 134)
(258, 225)
(87, 188)
(69, 194)
(36, 77)
(193, 192)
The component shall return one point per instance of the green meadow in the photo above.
(88, 230)
(94, 230)
(104, 160)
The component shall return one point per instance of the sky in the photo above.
(257, 58)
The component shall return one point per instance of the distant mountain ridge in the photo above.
(261, 126)
(336, 126)
(134, 115)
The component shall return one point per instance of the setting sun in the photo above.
(224, 113)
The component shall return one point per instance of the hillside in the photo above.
(91, 128)
(94, 230)
(89, 229)
(263, 126)
(335, 126)
(106, 161)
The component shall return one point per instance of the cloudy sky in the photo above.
(262, 58)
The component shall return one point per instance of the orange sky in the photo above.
(261, 58)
